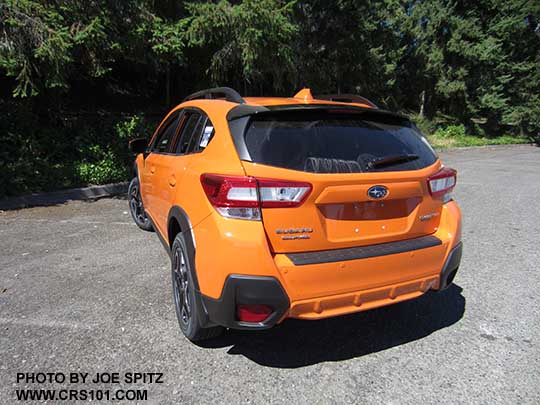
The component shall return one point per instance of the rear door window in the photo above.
(165, 135)
(191, 120)
(195, 134)
(323, 142)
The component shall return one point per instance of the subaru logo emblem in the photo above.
(377, 192)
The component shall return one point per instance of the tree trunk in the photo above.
(168, 86)
(422, 103)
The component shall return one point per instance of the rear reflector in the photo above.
(243, 197)
(442, 182)
(253, 312)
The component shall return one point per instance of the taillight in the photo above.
(442, 183)
(280, 194)
(253, 312)
(243, 197)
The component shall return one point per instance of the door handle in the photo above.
(152, 169)
(172, 181)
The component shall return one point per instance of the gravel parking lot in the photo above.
(83, 289)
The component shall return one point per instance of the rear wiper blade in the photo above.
(390, 160)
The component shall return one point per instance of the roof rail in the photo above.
(217, 92)
(346, 98)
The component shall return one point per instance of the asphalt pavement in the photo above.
(82, 289)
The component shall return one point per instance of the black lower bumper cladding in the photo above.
(241, 289)
(451, 267)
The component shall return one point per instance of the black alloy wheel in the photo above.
(136, 206)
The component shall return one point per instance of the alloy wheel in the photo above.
(181, 287)
(136, 205)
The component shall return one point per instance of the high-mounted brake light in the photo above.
(442, 182)
(243, 197)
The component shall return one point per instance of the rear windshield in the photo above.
(322, 142)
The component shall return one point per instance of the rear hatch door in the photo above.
(368, 174)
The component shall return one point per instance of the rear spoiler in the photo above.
(244, 110)
(346, 98)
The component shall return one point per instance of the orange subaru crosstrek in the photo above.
(303, 207)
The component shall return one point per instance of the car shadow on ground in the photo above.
(297, 343)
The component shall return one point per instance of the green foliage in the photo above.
(443, 135)
(78, 151)
(107, 169)
(42, 44)
(477, 61)
(451, 131)
(253, 38)
(349, 46)
(136, 126)
(108, 161)
(439, 141)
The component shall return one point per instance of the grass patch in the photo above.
(440, 142)
(454, 136)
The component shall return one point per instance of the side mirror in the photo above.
(138, 145)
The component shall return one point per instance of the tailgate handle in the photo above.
(359, 192)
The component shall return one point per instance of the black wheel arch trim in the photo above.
(176, 213)
(135, 170)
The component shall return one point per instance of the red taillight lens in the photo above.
(253, 312)
(242, 197)
(442, 182)
(230, 191)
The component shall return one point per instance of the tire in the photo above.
(184, 299)
(136, 206)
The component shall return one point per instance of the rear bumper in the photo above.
(243, 289)
(318, 287)
(341, 304)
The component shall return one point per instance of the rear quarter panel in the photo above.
(218, 157)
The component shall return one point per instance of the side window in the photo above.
(196, 132)
(193, 144)
(208, 133)
(190, 130)
(165, 135)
